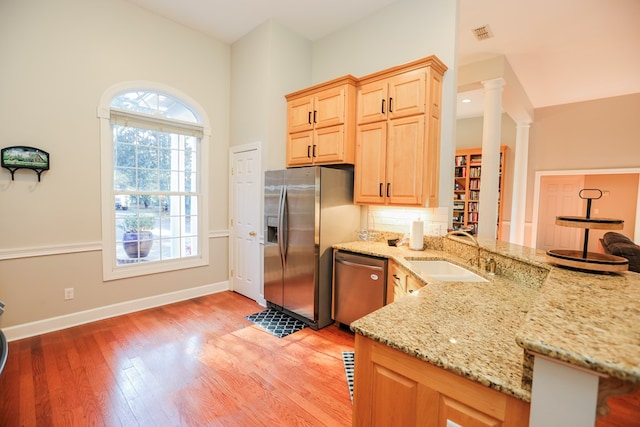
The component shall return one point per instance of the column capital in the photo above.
(494, 84)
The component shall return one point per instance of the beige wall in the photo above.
(61, 58)
(401, 32)
(591, 135)
(266, 64)
(598, 134)
(58, 58)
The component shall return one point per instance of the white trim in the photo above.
(15, 253)
(110, 270)
(536, 194)
(217, 234)
(79, 318)
(72, 248)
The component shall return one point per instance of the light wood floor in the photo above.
(194, 363)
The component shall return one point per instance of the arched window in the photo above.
(154, 214)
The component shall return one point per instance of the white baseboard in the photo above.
(74, 319)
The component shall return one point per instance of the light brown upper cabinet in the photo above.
(398, 135)
(321, 124)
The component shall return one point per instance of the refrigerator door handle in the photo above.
(282, 226)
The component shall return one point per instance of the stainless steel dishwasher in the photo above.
(360, 286)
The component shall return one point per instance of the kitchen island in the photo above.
(490, 333)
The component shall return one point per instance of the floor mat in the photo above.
(348, 360)
(276, 323)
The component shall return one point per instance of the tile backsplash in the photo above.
(398, 220)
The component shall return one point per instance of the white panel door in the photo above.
(559, 196)
(246, 188)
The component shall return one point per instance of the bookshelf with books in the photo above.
(467, 186)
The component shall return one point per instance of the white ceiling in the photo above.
(562, 51)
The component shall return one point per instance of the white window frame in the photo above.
(110, 269)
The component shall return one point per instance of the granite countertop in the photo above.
(481, 330)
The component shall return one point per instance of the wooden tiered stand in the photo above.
(584, 260)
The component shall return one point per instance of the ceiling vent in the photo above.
(482, 33)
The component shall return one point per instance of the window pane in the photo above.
(154, 103)
(147, 157)
(148, 180)
(164, 161)
(155, 176)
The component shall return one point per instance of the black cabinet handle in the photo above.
(314, 150)
(382, 111)
(314, 116)
(309, 117)
(388, 188)
(308, 151)
(380, 191)
(391, 105)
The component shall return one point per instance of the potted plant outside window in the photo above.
(138, 238)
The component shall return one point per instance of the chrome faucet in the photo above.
(475, 262)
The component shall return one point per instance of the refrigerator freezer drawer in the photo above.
(360, 286)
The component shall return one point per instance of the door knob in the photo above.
(252, 233)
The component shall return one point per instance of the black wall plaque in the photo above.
(22, 157)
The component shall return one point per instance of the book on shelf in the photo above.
(475, 158)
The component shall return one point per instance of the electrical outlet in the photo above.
(434, 230)
(68, 293)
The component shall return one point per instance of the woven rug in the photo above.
(276, 323)
(348, 361)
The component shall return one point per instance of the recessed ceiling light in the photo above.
(466, 101)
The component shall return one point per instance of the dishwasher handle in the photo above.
(358, 265)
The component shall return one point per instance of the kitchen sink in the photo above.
(444, 271)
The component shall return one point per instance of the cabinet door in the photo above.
(372, 102)
(432, 159)
(394, 398)
(407, 94)
(299, 148)
(413, 284)
(329, 108)
(405, 161)
(370, 181)
(396, 284)
(300, 115)
(328, 145)
(452, 411)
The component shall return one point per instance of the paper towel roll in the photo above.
(416, 238)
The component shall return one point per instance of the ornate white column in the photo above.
(488, 209)
(519, 201)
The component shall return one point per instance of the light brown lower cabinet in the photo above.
(400, 283)
(395, 389)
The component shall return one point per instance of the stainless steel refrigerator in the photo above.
(306, 211)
